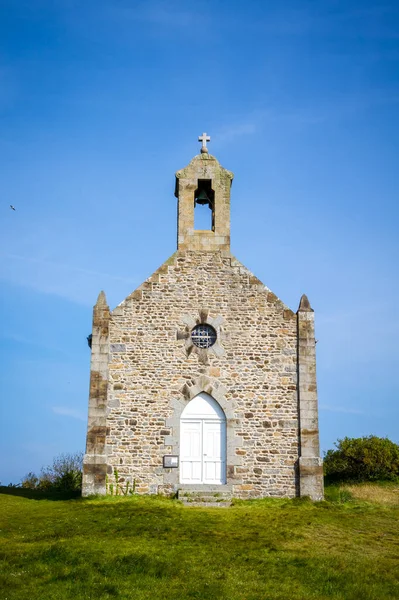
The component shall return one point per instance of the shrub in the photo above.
(64, 474)
(30, 481)
(362, 459)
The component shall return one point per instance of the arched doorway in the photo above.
(203, 442)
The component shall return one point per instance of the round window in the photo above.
(203, 336)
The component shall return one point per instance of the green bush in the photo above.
(367, 458)
(64, 474)
(30, 481)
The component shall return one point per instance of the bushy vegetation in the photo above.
(63, 475)
(367, 458)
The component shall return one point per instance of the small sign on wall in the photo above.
(170, 461)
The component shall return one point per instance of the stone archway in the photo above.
(190, 390)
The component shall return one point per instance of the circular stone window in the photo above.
(203, 336)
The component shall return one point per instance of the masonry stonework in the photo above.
(145, 368)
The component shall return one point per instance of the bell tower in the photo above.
(204, 182)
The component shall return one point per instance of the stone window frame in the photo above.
(190, 390)
(203, 319)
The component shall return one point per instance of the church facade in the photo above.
(202, 379)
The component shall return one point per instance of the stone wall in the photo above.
(152, 370)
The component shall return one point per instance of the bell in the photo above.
(202, 198)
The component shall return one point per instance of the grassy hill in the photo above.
(152, 548)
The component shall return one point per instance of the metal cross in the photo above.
(204, 139)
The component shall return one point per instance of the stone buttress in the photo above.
(310, 463)
(95, 460)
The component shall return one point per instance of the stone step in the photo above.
(214, 497)
(208, 504)
(204, 498)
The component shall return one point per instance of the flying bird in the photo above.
(12, 207)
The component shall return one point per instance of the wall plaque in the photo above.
(170, 461)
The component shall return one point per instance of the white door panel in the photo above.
(191, 451)
(214, 451)
(203, 444)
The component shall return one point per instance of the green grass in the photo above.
(154, 548)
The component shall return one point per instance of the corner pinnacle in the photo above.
(101, 300)
(304, 304)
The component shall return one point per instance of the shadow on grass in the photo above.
(39, 494)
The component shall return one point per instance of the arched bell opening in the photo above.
(204, 206)
(203, 442)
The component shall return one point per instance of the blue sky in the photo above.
(101, 102)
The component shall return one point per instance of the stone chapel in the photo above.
(202, 379)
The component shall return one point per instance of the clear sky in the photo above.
(102, 101)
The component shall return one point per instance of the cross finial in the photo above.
(204, 139)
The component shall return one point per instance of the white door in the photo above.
(203, 442)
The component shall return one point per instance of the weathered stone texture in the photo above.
(257, 371)
(310, 464)
(145, 368)
(95, 461)
(203, 167)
